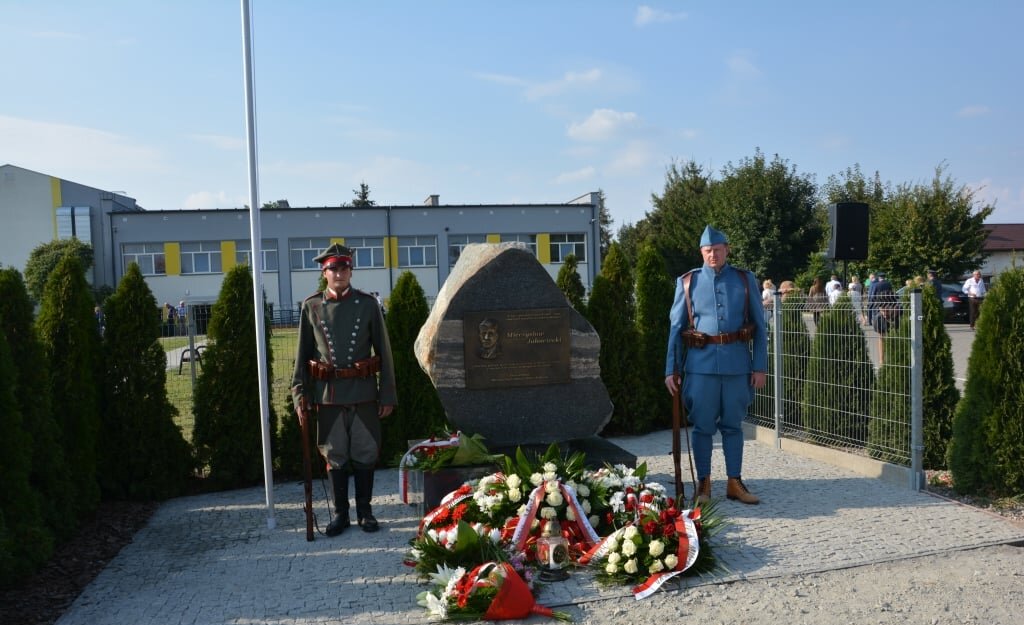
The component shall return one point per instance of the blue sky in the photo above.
(494, 102)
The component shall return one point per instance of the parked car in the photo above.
(954, 303)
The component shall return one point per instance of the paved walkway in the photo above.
(211, 559)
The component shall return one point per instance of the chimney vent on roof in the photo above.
(432, 200)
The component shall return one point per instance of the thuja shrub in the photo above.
(25, 542)
(939, 386)
(988, 426)
(889, 427)
(839, 377)
(654, 293)
(419, 412)
(71, 341)
(32, 391)
(570, 283)
(227, 404)
(144, 454)
(611, 311)
(796, 345)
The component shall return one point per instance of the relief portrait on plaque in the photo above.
(489, 348)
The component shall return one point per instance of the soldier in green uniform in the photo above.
(343, 367)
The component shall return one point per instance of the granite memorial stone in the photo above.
(510, 358)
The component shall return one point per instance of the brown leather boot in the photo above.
(704, 490)
(736, 489)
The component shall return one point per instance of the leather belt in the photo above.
(359, 369)
(693, 338)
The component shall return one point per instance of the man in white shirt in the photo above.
(833, 289)
(974, 288)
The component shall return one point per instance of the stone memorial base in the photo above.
(428, 488)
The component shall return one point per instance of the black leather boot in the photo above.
(364, 493)
(339, 484)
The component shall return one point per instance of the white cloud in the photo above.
(573, 177)
(502, 79)
(72, 150)
(570, 80)
(741, 65)
(212, 199)
(602, 124)
(973, 110)
(221, 142)
(636, 156)
(647, 15)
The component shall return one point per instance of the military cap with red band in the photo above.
(337, 255)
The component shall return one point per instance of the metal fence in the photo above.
(847, 377)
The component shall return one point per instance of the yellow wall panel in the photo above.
(227, 256)
(172, 258)
(57, 200)
(494, 238)
(544, 247)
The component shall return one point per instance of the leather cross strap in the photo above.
(359, 369)
(694, 338)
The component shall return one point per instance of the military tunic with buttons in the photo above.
(340, 332)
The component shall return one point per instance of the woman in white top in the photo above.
(768, 294)
(856, 290)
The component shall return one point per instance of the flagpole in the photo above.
(256, 262)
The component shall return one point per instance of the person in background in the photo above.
(974, 288)
(343, 344)
(833, 289)
(182, 318)
(767, 296)
(718, 318)
(936, 285)
(856, 290)
(817, 301)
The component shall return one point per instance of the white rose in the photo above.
(586, 506)
(569, 514)
(550, 475)
(614, 557)
(536, 479)
(513, 481)
(594, 521)
(612, 543)
(630, 532)
(521, 511)
(629, 547)
(671, 561)
(514, 495)
(630, 566)
(495, 535)
(583, 490)
(657, 566)
(550, 467)
(657, 548)
(548, 513)
(550, 485)
(555, 499)
(611, 569)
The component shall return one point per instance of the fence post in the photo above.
(916, 391)
(777, 358)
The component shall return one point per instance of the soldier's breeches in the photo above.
(717, 403)
(349, 435)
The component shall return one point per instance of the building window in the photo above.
(564, 244)
(458, 242)
(529, 239)
(74, 222)
(268, 249)
(303, 251)
(149, 256)
(367, 252)
(200, 257)
(417, 251)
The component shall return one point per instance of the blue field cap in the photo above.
(712, 237)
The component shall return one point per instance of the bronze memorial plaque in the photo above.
(516, 347)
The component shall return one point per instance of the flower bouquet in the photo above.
(491, 591)
(660, 545)
(626, 495)
(439, 451)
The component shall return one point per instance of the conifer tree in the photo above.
(836, 393)
(940, 392)
(25, 542)
(228, 434)
(71, 342)
(654, 293)
(570, 284)
(796, 343)
(889, 429)
(32, 389)
(988, 426)
(144, 454)
(419, 412)
(612, 313)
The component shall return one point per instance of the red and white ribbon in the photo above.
(689, 546)
(403, 475)
(522, 532)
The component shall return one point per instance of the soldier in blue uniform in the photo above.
(718, 340)
(344, 368)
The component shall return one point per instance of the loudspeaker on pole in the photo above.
(849, 240)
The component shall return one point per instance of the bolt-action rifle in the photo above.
(306, 410)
